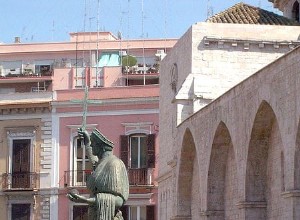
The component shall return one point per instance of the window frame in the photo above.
(139, 165)
(16, 202)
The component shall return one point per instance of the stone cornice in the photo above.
(18, 110)
(144, 100)
(247, 42)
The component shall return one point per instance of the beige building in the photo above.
(229, 118)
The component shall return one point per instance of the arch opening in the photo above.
(265, 166)
(222, 182)
(188, 178)
(295, 11)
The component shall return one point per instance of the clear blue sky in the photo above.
(53, 20)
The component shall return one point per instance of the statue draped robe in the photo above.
(106, 183)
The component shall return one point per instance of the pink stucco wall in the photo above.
(110, 126)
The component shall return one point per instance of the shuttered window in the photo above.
(138, 151)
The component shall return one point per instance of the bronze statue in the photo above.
(108, 183)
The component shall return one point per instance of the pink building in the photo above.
(42, 89)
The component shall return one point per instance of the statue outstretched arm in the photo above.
(84, 135)
(80, 199)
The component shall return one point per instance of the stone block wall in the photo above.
(255, 152)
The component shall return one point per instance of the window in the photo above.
(21, 163)
(81, 166)
(20, 212)
(80, 212)
(79, 77)
(138, 151)
(138, 154)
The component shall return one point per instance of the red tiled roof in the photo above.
(242, 13)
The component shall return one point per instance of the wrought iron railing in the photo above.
(20, 180)
(139, 176)
(76, 177)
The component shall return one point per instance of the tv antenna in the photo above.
(210, 10)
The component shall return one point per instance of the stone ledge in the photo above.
(212, 213)
(291, 193)
(251, 204)
(181, 218)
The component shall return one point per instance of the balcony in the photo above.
(137, 177)
(20, 181)
(32, 98)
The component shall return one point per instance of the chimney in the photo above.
(17, 40)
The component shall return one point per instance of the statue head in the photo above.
(99, 140)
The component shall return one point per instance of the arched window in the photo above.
(295, 11)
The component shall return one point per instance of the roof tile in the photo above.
(242, 13)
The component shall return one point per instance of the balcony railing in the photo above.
(76, 177)
(139, 176)
(140, 69)
(136, 176)
(20, 181)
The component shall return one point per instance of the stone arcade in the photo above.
(229, 119)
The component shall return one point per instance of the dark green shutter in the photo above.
(150, 212)
(151, 150)
(124, 141)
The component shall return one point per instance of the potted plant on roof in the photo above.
(128, 62)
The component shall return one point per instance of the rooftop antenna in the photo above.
(128, 28)
(166, 7)
(84, 24)
(144, 68)
(53, 30)
(210, 10)
(97, 44)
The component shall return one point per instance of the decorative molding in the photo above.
(137, 127)
(13, 132)
(291, 193)
(247, 42)
(24, 110)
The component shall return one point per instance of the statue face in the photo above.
(96, 147)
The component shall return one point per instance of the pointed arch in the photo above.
(265, 170)
(222, 176)
(295, 11)
(186, 182)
